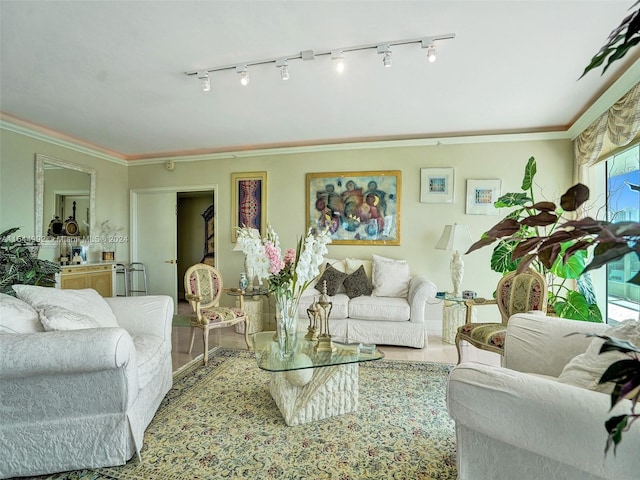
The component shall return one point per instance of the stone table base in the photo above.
(331, 391)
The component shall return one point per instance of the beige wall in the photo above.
(17, 189)
(421, 223)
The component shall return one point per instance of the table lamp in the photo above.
(455, 238)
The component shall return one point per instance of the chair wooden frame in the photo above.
(505, 307)
(204, 304)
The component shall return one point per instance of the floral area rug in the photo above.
(220, 422)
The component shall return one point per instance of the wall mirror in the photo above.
(61, 186)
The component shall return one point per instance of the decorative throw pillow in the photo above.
(60, 318)
(17, 316)
(87, 301)
(586, 369)
(357, 284)
(354, 263)
(390, 277)
(334, 279)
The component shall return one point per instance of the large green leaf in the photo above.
(529, 172)
(501, 260)
(512, 200)
(575, 307)
(573, 267)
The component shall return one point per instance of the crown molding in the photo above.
(22, 127)
(47, 135)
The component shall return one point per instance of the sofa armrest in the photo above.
(151, 314)
(74, 351)
(422, 290)
(535, 343)
(539, 415)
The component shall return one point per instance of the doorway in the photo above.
(168, 234)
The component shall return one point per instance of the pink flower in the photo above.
(289, 256)
(273, 254)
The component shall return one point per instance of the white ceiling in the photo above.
(111, 73)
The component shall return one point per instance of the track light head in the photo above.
(244, 74)
(283, 65)
(338, 56)
(386, 50)
(431, 49)
(205, 83)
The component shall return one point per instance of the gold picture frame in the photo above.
(248, 201)
(359, 208)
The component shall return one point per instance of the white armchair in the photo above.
(519, 421)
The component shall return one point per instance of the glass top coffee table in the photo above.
(311, 385)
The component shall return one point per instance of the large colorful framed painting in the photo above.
(358, 208)
(248, 201)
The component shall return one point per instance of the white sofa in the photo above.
(81, 398)
(525, 421)
(388, 316)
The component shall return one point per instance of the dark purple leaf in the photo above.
(544, 206)
(540, 220)
(574, 197)
(483, 242)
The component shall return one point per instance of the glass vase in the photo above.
(286, 324)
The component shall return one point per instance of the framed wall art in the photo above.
(481, 195)
(436, 185)
(359, 208)
(248, 201)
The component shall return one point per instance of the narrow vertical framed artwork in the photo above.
(248, 201)
(481, 195)
(436, 185)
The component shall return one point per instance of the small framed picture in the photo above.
(79, 254)
(436, 185)
(481, 195)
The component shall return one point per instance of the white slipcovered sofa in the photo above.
(394, 312)
(538, 417)
(82, 394)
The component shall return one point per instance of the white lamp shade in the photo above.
(455, 237)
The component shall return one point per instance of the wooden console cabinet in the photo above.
(100, 276)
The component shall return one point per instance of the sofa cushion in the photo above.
(17, 316)
(339, 309)
(59, 318)
(354, 263)
(390, 277)
(380, 308)
(86, 301)
(339, 265)
(357, 284)
(334, 279)
(586, 369)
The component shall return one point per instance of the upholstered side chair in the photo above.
(203, 287)
(516, 293)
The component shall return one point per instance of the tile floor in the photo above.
(436, 351)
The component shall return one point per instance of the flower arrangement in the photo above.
(288, 274)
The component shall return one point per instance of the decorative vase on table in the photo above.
(288, 275)
(286, 322)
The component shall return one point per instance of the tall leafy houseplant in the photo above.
(528, 220)
(19, 264)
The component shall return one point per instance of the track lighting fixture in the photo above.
(431, 49)
(283, 65)
(205, 83)
(386, 51)
(244, 74)
(282, 62)
(338, 56)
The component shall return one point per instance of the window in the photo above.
(623, 204)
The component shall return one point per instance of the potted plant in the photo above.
(19, 263)
(528, 221)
